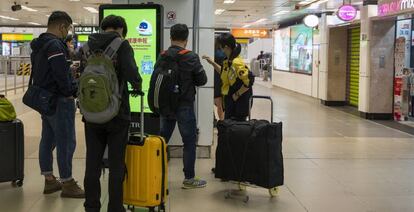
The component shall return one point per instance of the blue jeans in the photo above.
(185, 117)
(58, 131)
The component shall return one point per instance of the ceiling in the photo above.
(238, 14)
(45, 7)
(247, 12)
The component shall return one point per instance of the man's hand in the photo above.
(208, 59)
(235, 96)
(136, 93)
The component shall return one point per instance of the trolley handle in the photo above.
(261, 97)
(141, 122)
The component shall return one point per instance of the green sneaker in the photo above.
(194, 183)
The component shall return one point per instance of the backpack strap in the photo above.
(86, 50)
(113, 47)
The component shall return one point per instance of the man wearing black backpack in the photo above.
(189, 73)
(101, 131)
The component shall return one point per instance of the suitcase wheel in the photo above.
(17, 183)
(274, 191)
(161, 208)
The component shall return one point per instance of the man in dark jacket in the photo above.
(51, 72)
(191, 74)
(114, 133)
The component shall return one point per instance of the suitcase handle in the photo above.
(141, 120)
(261, 97)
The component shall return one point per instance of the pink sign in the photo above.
(388, 8)
(347, 12)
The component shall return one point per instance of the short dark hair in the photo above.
(115, 22)
(59, 17)
(179, 32)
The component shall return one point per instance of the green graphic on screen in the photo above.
(142, 35)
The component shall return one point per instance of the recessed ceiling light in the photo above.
(34, 23)
(247, 25)
(91, 9)
(260, 20)
(9, 18)
(219, 11)
(229, 1)
(281, 13)
(28, 9)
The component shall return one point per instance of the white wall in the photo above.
(300, 83)
(255, 47)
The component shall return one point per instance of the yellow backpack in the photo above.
(7, 112)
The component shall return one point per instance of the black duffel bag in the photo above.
(250, 151)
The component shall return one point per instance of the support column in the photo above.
(323, 57)
(376, 66)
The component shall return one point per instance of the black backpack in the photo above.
(164, 91)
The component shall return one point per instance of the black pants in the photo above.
(115, 135)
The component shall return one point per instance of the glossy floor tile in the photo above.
(334, 162)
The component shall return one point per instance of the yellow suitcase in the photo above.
(146, 179)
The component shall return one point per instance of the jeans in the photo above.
(113, 134)
(58, 131)
(185, 117)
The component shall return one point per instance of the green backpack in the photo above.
(7, 112)
(99, 91)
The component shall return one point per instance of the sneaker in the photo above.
(71, 189)
(194, 183)
(51, 186)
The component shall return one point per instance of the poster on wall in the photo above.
(281, 54)
(404, 31)
(301, 38)
(144, 37)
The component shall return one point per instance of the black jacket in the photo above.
(192, 74)
(124, 64)
(51, 70)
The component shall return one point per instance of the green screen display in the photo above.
(142, 35)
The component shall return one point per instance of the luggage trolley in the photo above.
(241, 182)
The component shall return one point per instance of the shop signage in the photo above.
(250, 33)
(86, 30)
(392, 7)
(347, 12)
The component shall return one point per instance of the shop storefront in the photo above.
(401, 11)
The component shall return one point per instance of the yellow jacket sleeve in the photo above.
(241, 70)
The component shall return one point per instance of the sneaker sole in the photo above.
(51, 191)
(193, 187)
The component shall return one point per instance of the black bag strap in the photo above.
(37, 59)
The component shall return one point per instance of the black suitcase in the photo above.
(12, 152)
(250, 151)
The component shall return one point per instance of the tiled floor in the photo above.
(334, 162)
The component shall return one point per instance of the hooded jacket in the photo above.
(125, 66)
(51, 66)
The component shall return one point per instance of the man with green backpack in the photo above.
(104, 104)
